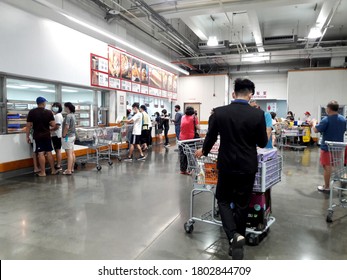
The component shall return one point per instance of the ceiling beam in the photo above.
(197, 28)
(209, 8)
(255, 27)
(324, 17)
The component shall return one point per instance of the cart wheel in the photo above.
(216, 212)
(98, 167)
(252, 239)
(83, 164)
(110, 163)
(75, 166)
(330, 217)
(188, 227)
(119, 159)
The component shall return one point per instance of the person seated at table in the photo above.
(290, 116)
(307, 118)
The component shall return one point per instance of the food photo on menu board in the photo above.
(154, 77)
(170, 82)
(174, 84)
(164, 76)
(144, 73)
(126, 66)
(114, 63)
(135, 70)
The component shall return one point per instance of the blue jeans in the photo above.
(177, 131)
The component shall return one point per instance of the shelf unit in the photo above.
(17, 112)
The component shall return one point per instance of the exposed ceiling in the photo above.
(249, 32)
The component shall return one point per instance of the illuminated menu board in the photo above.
(126, 72)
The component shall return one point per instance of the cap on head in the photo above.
(40, 100)
(307, 113)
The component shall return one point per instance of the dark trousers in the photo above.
(233, 195)
(166, 130)
(183, 160)
(150, 136)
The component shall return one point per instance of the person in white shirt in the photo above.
(146, 124)
(136, 135)
(56, 132)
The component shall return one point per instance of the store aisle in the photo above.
(137, 210)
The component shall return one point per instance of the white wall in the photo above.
(307, 90)
(275, 85)
(37, 47)
(200, 89)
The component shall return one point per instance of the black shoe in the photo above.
(236, 247)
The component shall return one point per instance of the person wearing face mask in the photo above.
(40, 120)
(69, 137)
(56, 132)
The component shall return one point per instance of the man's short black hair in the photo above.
(144, 108)
(333, 106)
(243, 87)
(57, 104)
(136, 105)
(70, 106)
(189, 111)
(164, 111)
(178, 107)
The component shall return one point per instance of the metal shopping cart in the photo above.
(338, 179)
(97, 143)
(116, 136)
(204, 174)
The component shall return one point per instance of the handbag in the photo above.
(196, 134)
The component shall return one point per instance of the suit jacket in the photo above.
(241, 128)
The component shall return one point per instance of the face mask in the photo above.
(55, 109)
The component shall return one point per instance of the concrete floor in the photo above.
(137, 211)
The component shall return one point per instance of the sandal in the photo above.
(323, 189)
(66, 172)
(55, 173)
(40, 175)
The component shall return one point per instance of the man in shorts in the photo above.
(40, 120)
(137, 130)
(333, 128)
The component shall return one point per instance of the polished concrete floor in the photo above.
(137, 211)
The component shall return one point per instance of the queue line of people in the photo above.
(47, 130)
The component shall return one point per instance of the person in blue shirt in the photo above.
(268, 121)
(332, 128)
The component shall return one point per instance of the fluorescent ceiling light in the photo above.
(315, 32)
(16, 87)
(47, 90)
(34, 86)
(125, 43)
(69, 90)
(212, 41)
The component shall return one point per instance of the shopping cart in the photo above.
(97, 143)
(116, 136)
(204, 174)
(338, 179)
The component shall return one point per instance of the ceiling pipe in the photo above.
(163, 24)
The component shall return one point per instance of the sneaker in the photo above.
(141, 158)
(236, 247)
(167, 145)
(323, 189)
(128, 159)
(184, 173)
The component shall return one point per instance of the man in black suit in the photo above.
(241, 129)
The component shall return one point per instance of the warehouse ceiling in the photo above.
(249, 33)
